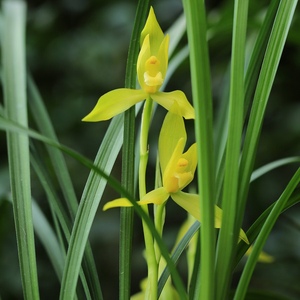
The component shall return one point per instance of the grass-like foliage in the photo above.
(208, 176)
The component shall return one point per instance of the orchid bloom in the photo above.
(152, 67)
(177, 168)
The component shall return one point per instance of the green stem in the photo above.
(151, 291)
(146, 117)
(159, 219)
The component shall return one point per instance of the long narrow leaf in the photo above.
(270, 64)
(202, 100)
(258, 53)
(89, 203)
(128, 154)
(45, 126)
(251, 79)
(14, 75)
(90, 280)
(255, 228)
(183, 243)
(48, 239)
(263, 235)
(62, 218)
(273, 165)
(228, 239)
(56, 255)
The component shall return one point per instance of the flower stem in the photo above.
(159, 219)
(146, 117)
(151, 291)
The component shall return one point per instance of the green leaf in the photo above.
(273, 165)
(57, 159)
(44, 231)
(183, 243)
(228, 234)
(89, 203)
(267, 74)
(59, 215)
(202, 99)
(128, 180)
(255, 229)
(14, 82)
(48, 239)
(265, 82)
(176, 32)
(263, 235)
(251, 78)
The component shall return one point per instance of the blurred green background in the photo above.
(76, 51)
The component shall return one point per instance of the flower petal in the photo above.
(158, 196)
(163, 55)
(190, 203)
(171, 132)
(120, 202)
(153, 29)
(152, 66)
(167, 100)
(169, 181)
(144, 54)
(113, 103)
(191, 156)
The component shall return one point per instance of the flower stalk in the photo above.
(151, 290)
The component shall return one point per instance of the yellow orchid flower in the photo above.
(178, 170)
(152, 66)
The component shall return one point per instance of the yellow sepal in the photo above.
(113, 103)
(190, 203)
(120, 202)
(185, 109)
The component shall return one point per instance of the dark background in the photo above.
(76, 51)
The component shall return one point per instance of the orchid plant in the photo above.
(177, 167)
(209, 180)
(151, 71)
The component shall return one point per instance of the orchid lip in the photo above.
(153, 80)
